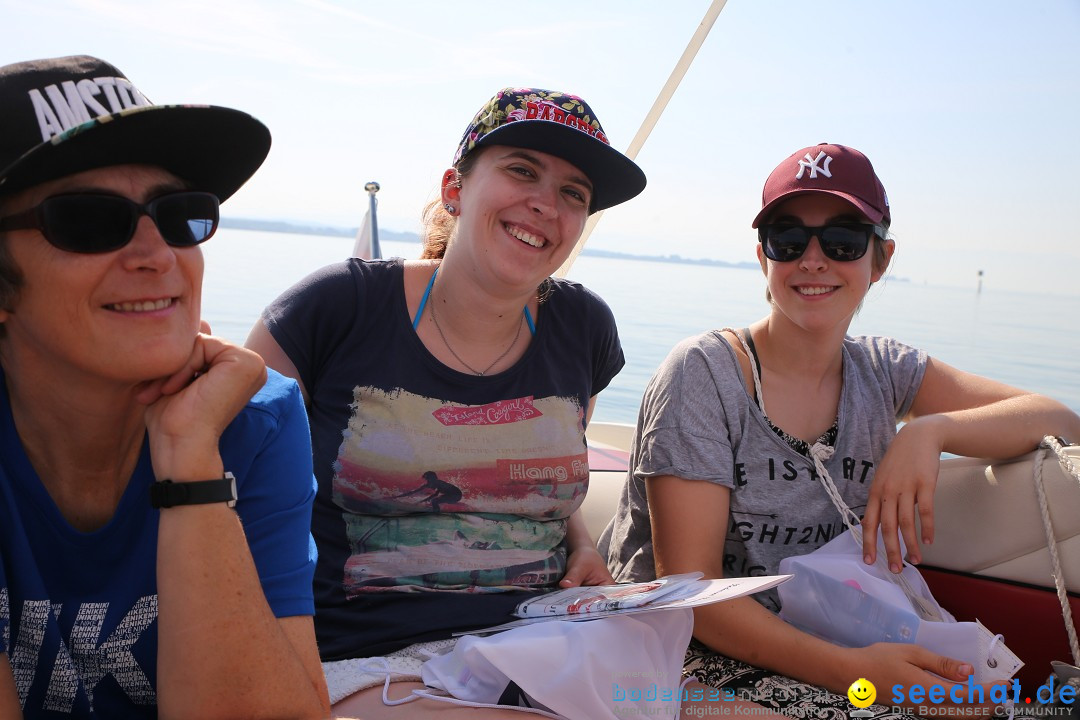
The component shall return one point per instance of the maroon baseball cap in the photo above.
(65, 115)
(834, 169)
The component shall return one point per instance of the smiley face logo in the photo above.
(862, 693)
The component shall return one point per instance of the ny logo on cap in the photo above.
(811, 164)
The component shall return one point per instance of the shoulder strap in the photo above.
(424, 299)
(752, 349)
(755, 366)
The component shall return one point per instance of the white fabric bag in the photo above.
(838, 597)
(586, 670)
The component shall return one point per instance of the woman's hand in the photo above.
(187, 412)
(894, 668)
(584, 566)
(905, 478)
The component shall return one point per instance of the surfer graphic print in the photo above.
(458, 497)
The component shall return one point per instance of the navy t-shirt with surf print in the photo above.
(443, 496)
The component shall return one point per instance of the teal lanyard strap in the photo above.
(427, 293)
(423, 300)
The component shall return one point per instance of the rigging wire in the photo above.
(653, 116)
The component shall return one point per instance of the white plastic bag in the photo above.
(588, 670)
(838, 597)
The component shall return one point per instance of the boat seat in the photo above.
(989, 559)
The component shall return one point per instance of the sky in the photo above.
(969, 109)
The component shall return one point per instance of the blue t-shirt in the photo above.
(443, 496)
(78, 611)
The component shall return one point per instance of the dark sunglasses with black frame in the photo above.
(843, 242)
(99, 222)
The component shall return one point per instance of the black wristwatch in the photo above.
(167, 493)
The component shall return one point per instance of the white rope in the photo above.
(819, 453)
(653, 115)
(1053, 445)
(1066, 463)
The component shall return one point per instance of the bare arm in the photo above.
(959, 413)
(687, 536)
(300, 632)
(221, 651)
(984, 418)
(261, 341)
(9, 696)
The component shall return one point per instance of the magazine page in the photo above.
(597, 598)
(703, 592)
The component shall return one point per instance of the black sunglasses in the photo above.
(98, 223)
(842, 242)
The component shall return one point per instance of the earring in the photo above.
(450, 209)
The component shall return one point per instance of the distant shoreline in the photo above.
(395, 236)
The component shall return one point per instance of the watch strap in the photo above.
(166, 493)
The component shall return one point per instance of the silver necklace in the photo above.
(473, 370)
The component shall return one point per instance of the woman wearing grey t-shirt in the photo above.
(722, 486)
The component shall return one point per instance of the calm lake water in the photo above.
(1024, 339)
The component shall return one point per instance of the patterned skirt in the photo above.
(780, 694)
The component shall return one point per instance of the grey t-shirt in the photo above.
(698, 422)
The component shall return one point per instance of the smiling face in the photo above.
(521, 213)
(862, 693)
(813, 291)
(127, 315)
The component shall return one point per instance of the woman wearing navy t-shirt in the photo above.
(449, 395)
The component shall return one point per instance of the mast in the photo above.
(372, 188)
(654, 114)
(366, 246)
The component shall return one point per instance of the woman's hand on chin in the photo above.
(187, 411)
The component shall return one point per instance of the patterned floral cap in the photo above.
(66, 115)
(559, 124)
